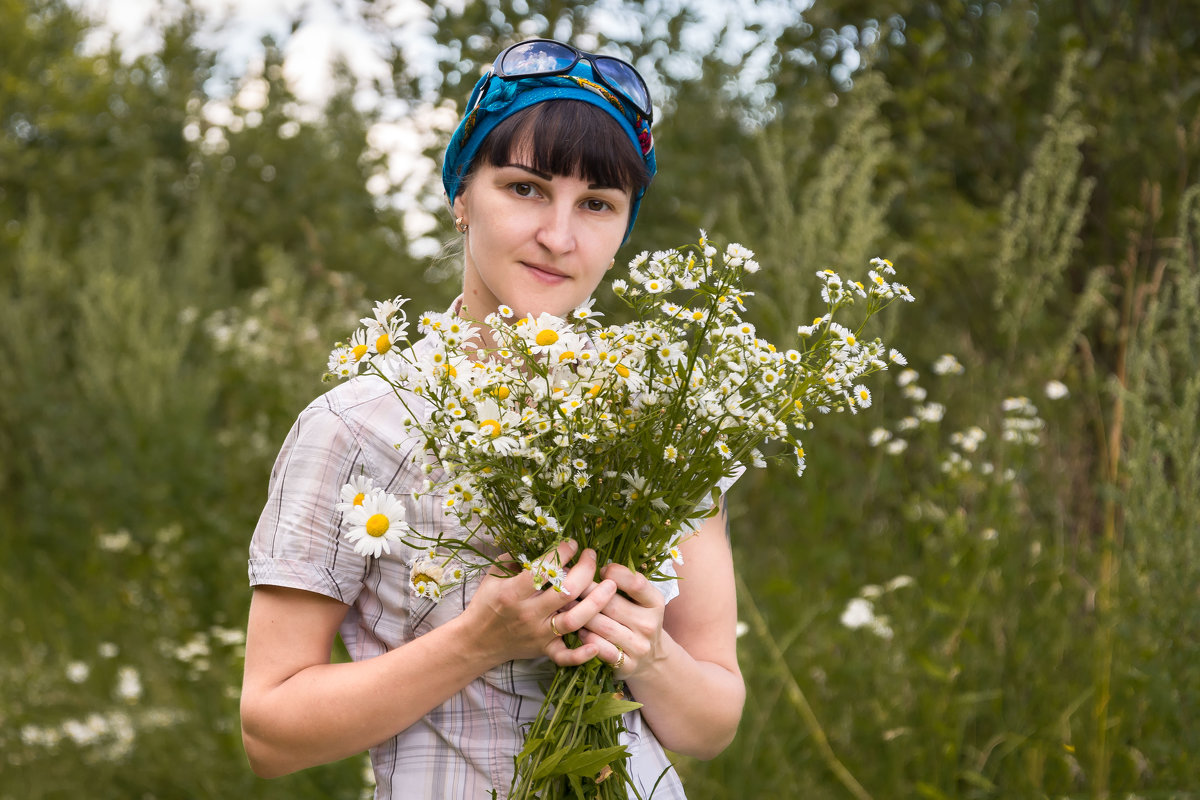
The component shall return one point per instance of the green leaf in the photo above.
(930, 791)
(977, 779)
(591, 761)
(549, 766)
(608, 705)
(531, 744)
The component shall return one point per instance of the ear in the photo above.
(459, 206)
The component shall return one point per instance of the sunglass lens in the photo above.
(623, 76)
(536, 58)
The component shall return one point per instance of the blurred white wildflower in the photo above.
(930, 412)
(78, 671)
(859, 612)
(40, 736)
(230, 637)
(115, 542)
(1056, 390)
(129, 685)
(107, 650)
(947, 364)
(969, 440)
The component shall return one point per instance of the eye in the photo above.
(522, 189)
(596, 204)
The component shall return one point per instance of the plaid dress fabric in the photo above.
(464, 748)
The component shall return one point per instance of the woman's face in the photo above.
(536, 242)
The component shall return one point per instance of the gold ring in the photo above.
(554, 627)
(620, 657)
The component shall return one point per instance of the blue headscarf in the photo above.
(495, 99)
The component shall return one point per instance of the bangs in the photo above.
(567, 137)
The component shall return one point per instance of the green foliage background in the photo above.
(169, 289)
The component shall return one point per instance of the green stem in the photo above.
(796, 696)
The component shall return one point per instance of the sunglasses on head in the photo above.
(545, 57)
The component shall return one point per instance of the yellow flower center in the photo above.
(377, 525)
(451, 371)
(359, 351)
(358, 499)
(490, 427)
(622, 370)
(501, 392)
(568, 355)
(546, 337)
(383, 344)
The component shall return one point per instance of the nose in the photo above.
(556, 228)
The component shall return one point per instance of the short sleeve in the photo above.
(297, 542)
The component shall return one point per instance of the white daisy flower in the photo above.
(342, 362)
(354, 493)
(425, 578)
(543, 333)
(375, 523)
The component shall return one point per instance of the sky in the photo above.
(328, 30)
(332, 29)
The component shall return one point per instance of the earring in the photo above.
(460, 225)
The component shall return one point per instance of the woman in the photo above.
(545, 175)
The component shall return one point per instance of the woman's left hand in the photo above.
(628, 630)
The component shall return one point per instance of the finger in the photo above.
(637, 587)
(580, 576)
(575, 615)
(565, 656)
(608, 651)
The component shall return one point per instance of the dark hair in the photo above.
(567, 137)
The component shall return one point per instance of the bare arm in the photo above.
(681, 661)
(299, 710)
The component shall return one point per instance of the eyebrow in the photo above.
(546, 176)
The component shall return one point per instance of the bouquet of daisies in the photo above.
(617, 436)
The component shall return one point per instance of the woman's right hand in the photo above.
(509, 618)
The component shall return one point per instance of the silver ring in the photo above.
(554, 627)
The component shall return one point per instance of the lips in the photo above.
(545, 272)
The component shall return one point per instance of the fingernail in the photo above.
(572, 545)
